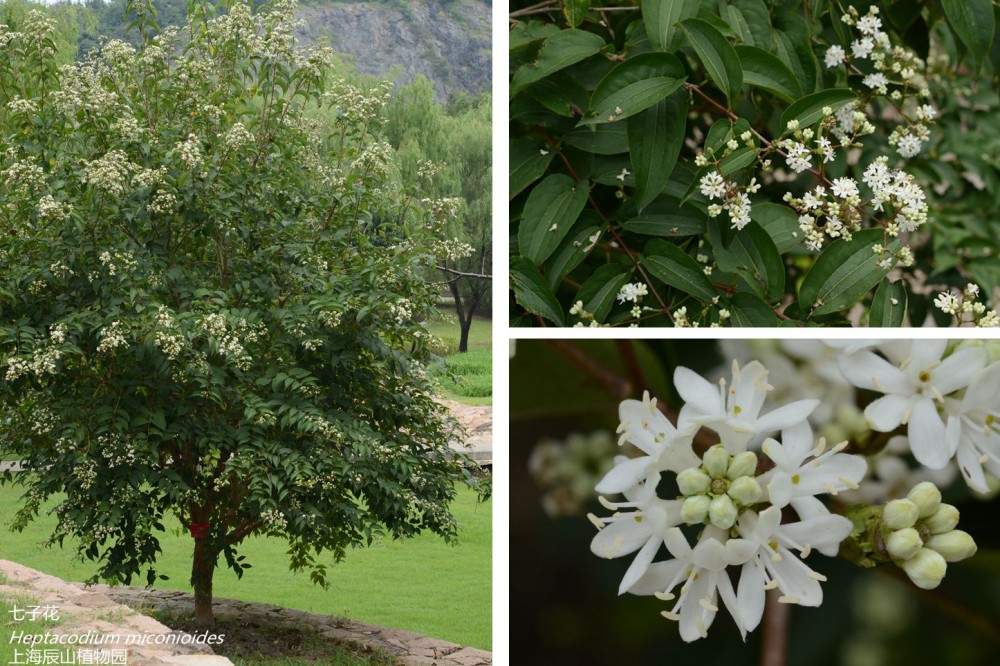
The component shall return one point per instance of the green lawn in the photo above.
(423, 585)
(473, 382)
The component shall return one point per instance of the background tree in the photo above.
(458, 137)
(204, 296)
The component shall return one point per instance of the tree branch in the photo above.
(774, 648)
(478, 276)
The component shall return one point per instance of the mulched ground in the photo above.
(256, 639)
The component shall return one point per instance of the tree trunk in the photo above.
(202, 571)
(464, 322)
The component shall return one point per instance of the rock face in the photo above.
(447, 41)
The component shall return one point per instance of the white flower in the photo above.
(909, 146)
(947, 302)
(803, 470)
(666, 447)
(798, 156)
(834, 56)
(869, 24)
(633, 291)
(915, 382)
(641, 530)
(712, 185)
(773, 563)
(734, 412)
(701, 573)
(877, 82)
(844, 188)
(973, 433)
(862, 48)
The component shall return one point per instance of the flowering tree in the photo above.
(205, 299)
(740, 162)
(721, 491)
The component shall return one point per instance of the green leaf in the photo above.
(740, 158)
(753, 256)
(809, 109)
(572, 251)
(655, 137)
(560, 93)
(973, 22)
(793, 44)
(717, 54)
(600, 289)
(758, 19)
(665, 218)
(780, 222)
(746, 309)
(680, 271)
(889, 304)
(766, 71)
(661, 17)
(531, 292)
(528, 161)
(634, 86)
(606, 139)
(575, 11)
(843, 274)
(549, 214)
(559, 51)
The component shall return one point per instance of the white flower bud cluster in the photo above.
(24, 176)
(229, 338)
(715, 492)
(162, 203)
(115, 450)
(237, 137)
(128, 129)
(273, 520)
(567, 470)
(170, 341)
(578, 310)
(42, 362)
(453, 249)
(120, 262)
(23, 106)
(921, 538)
(967, 309)
(189, 151)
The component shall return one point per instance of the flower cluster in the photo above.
(567, 470)
(748, 495)
(110, 173)
(735, 198)
(967, 309)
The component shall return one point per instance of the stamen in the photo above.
(597, 522)
(788, 600)
(700, 626)
(983, 459)
(664, 596)
(805, 551)
(840, 447)
(829, 487)
(818, 451)
(607, 504)
(771, 584)
(618, 543)
(847, 483)
(623, 439)
(671, 616)
(776, 557)
(817, 576)
(707, 605)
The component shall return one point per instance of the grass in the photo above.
(473, 381)
(423, 584)
(8, 625)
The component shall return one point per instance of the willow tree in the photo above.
(209, 302)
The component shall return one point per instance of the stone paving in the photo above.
(108, 611)
(82, 610)
(478, 423)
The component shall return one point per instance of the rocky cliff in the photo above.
(447, 41)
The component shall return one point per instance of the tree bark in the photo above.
(202, 571)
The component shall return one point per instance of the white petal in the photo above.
(785, 417)
(983, 390)
(624, 475)
(709, 554)
(639, 565)
(728, 596)
(958, 370)
(971, 468)
(698, 392)
(953, 434)
(924, 353)
(819, 532)
(619, 538)
(815, 477)
(677, 543)
(777, 453)
(747, 390)
(798, 442)
(780, 489)
(767, 524)
(870, 371)
(927, 435)
(793, 578)
(677, 456)
(750, 594)
(659, 577)
(692, 612)
(886, 413)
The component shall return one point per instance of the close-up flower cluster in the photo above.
(790, 471)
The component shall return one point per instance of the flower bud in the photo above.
(743, 464)
(722, 512)
(716, 461)
(904, 544)
(943, 520)
(694, 510)
(953, 546)
(745, 491)
(900, 513)
(926, 568)
(693, 481)
(926, 496)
